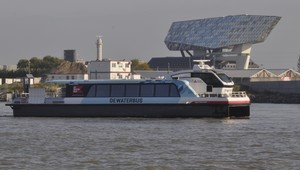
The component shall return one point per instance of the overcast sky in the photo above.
(133, 28)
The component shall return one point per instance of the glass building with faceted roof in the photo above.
(220, 32)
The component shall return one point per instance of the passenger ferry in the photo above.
(201, 92)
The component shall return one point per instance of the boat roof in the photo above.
(108, 81)
(194, 71)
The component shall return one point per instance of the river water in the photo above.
(270, 139)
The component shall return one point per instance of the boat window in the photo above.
(162, 90)
(117, 90)
(132, 90)
(103, 90)
(209, 79)
(209, 88)
(173, 91)
(224, 77)
(122, 90)
(147, 90)
(92, 91)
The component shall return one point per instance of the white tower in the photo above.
(99, 44)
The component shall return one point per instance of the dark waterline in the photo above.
(268, 140)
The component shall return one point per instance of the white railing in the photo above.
(238, 94)
(219, 95)
(213, 95)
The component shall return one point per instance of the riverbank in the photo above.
(268, 97)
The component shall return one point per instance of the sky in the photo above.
(133, 29)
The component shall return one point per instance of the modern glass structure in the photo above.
(230, 36)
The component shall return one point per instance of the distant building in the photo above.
(67, 76)
(70, 55)
(10, 80)
(69, 71)
(267, 80)
(185, 63)
(170, 63)
(34, 80)
(262, 75)
(231, 65)
(228, 38)
(110, 69)
(8, 67)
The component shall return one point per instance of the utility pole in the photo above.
(29, 67)
(298, 65)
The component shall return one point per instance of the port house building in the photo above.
(226, 39)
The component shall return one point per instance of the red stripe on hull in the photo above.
(220, 102)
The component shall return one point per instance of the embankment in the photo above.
(268, 97)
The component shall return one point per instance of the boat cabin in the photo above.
(205, 80)
(122, 89)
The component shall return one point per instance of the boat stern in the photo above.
(239, 111)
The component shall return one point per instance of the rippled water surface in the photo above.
(270, 139)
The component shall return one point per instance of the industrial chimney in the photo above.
(99, 44)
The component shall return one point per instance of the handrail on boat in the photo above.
(219, 95)
(238, 94)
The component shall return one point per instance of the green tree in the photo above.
(35, 64)
(134, 63)
(138, 65)
(38, 67)
(23, 64)
(142, 66)
(51, 62)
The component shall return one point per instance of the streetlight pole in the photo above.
(28, 66)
